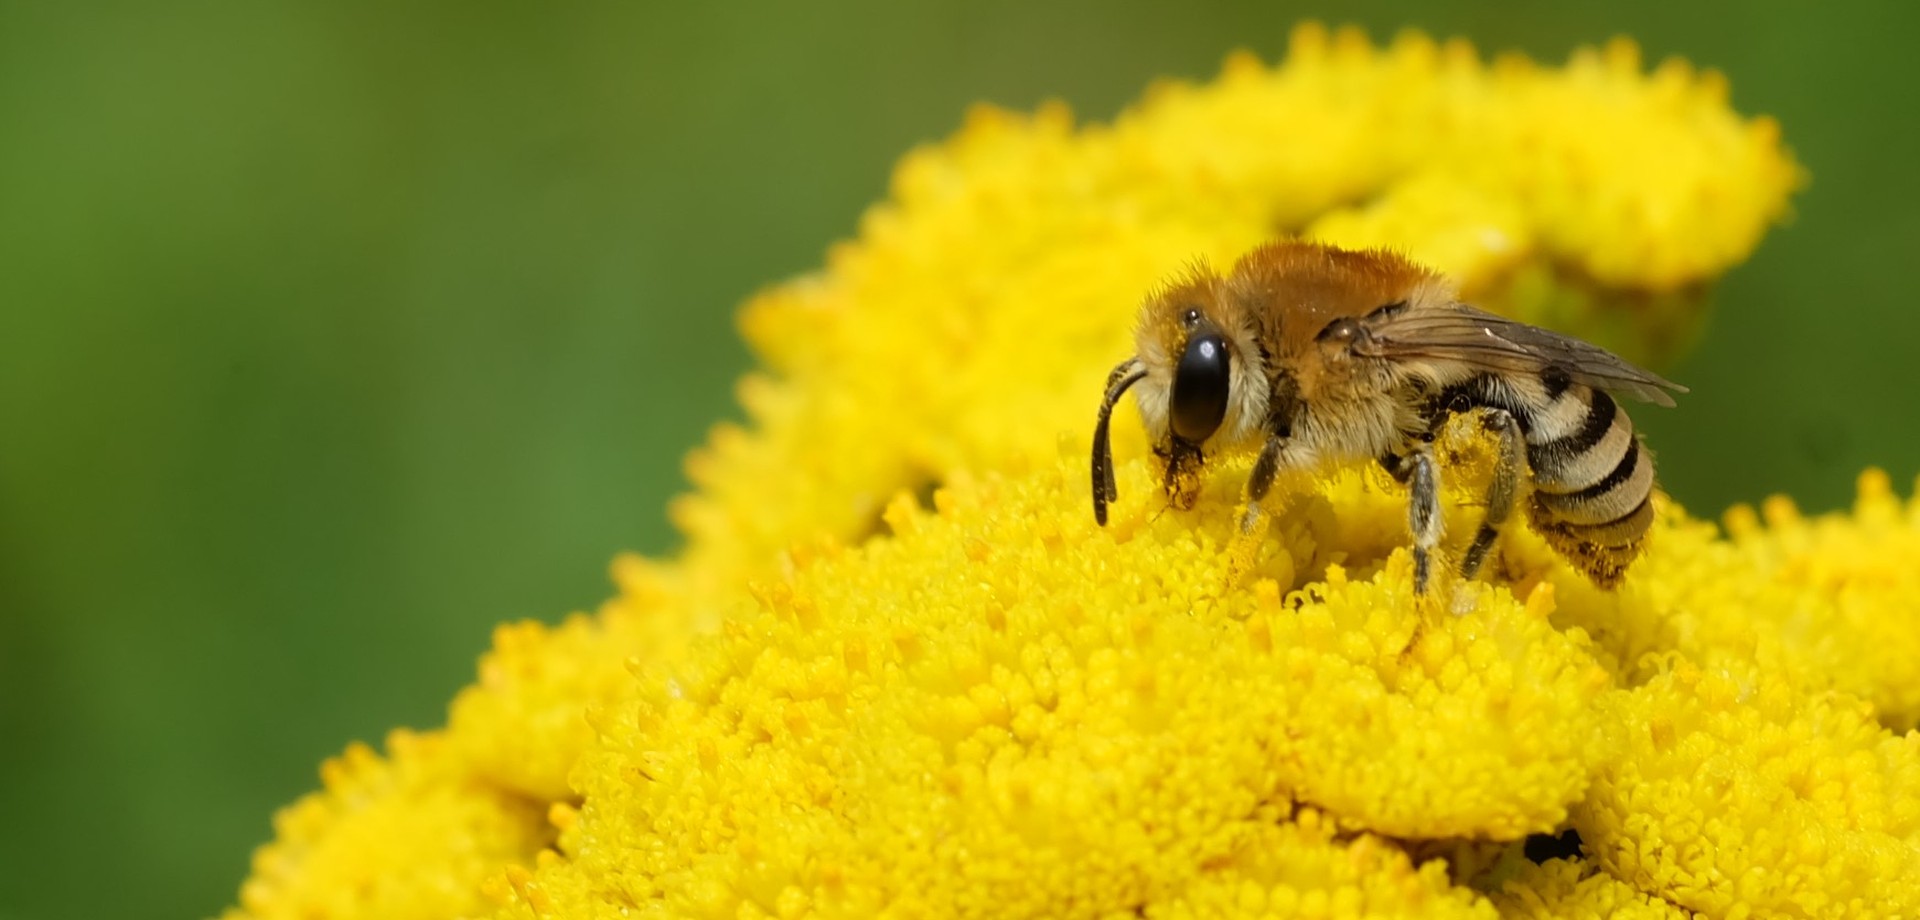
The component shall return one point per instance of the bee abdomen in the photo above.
(1593, 482)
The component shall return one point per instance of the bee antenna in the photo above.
(1128, 373)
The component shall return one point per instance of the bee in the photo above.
(1312, 355)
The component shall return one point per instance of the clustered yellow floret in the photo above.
(1088, 721)
(1741, 793)
(402, 836)
(839, 701)
(1079, 721)
(1834, 607)
(1560, 889)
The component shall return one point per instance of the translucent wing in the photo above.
(1495, 343)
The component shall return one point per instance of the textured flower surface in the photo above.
(898, 670)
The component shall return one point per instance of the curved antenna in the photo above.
(1128, 373)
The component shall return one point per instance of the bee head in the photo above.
(1200, 383)
(1205, 384)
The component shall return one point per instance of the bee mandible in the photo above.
(1313, 356)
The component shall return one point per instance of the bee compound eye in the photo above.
(1200, 389)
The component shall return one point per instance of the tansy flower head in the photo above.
(1740, 792)
(1002, 710)
(403, 836)
(843, 700)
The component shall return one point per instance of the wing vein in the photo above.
(1491, 342)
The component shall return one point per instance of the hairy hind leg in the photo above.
(1423, 511)
(1501, 492)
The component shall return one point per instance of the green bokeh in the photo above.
(332, 335)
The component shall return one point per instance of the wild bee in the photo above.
(1313, 355)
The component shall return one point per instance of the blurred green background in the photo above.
(332, 335)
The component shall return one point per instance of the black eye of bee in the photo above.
(1191, 318)
(1200, 389)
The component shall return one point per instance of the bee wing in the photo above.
(1495, 343)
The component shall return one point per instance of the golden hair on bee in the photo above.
(1308, 355)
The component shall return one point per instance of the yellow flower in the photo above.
(1740, 792)
(1560, 889)
(1082, 718)
(1830, 605)
(843, 700)
(404, 836)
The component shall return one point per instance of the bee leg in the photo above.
(1501, 492)
(1397, 466)
(1423, 511)
(1244, 551)
(1265, 469)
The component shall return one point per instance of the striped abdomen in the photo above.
(1592, 481)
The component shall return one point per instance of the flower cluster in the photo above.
(897, 669)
